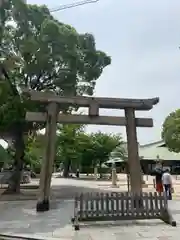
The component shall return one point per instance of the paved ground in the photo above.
(21, 219)
(66, 188)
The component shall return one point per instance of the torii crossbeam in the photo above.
(52, 116)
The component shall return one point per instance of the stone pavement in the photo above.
(20, 219)
(67, 188)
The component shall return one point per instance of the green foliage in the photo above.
(47, 56)
(85, 150)
(4, 156)
(69, 143)
(75, 145)
(171, 131)
(102, 145)
(35, 150)
(40, 53)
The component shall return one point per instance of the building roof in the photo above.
(115, 160)
(151, 151)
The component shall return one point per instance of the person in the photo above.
(77, 173)
(157, 172)
(159, 185)
(167, 183)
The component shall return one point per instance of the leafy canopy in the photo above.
(47, 56)
(84, 149)
(171, 131)
(75, 145)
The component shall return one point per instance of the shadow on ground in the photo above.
(123, 223)
(58, 192)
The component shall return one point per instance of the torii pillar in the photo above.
(133, 155)
(47, 165)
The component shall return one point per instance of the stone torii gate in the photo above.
(52, 116)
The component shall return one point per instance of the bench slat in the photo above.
(117, 205)
(156, 201)
(112, 203)
(146, 205)
(102, 204)
(161, 200)
(151, 210)
(98, 212)
(122, 204)
(107, 204)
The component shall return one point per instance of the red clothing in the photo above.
(159, 187)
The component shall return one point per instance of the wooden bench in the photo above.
(120, 206)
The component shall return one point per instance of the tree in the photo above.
(76, 148)
(102, 144)
(68, 142)
(49, 56)
(34, 151)
(86, 152)
(171, 131)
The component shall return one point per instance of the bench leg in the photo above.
(166, 217)
(76, 227)
(76, 223)
(75, 220)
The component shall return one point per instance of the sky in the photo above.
(143, 39)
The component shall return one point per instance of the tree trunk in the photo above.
(100, 172)
(67, 165)
(14, 184)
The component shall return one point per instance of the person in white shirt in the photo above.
(167, 183)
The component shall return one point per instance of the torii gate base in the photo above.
(94, 104)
